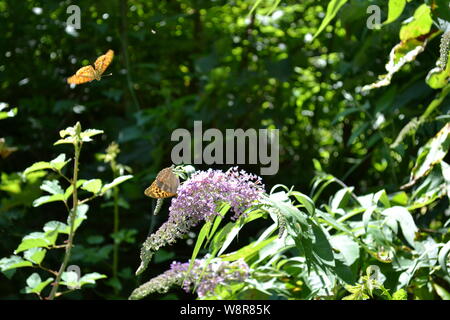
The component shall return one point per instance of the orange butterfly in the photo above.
(88, 73)
(164, 186)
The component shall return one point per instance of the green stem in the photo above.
(123, 7)
(116, 223)
(116, 229)
(73, 215)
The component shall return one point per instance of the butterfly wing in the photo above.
(85, 74)
(156, 192)
(103, 62)
(164, 186)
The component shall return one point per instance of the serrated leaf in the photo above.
(70, 279)
(57, 164)
(93, 186)
(35, 255)
(87, 134)
(116, 182)
(13, 262)
(69, 140)
(55, 226)
(90, 278)
(46, 199)
(52, 187)
(42, 165)
(35, 284)
(80, 217)
(69, 190)
(37, 240)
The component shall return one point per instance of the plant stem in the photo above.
(116, 229)
(116, 223)
(72, 217)
(123, 28)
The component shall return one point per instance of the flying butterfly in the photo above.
(164, 186)
(88, 73)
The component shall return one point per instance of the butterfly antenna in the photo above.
(107, 75)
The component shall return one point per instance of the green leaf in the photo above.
(347, 247)
(332, 10)
(94, 186)
(432, 153)
(70, 279)
(46, 199)
(52, 187)
(396, 8)
(87, 134)
(90, 278)
(35, 255)
(8, 114)
(400, 295)
(444, 294)
(442, 258)
(236, 227)
(420, 24)
(404, 218)
(403, 53)
(115, 182)
(305, 201)
(13, 262)
(198, 244)
(437, 78)
(381, 196)
(80, 216)
(249, 251)
(69, 140)
(69, 190)
(56, 164)
(35, 284)
(340, 198)
(367, 215)
(321, 246)
(55, 226)
(37, 240)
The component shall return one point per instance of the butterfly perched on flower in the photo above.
(164, 186)
(89, 73)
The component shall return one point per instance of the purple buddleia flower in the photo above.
(199, 199)
(204, 279)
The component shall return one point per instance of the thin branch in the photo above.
(73, 214)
